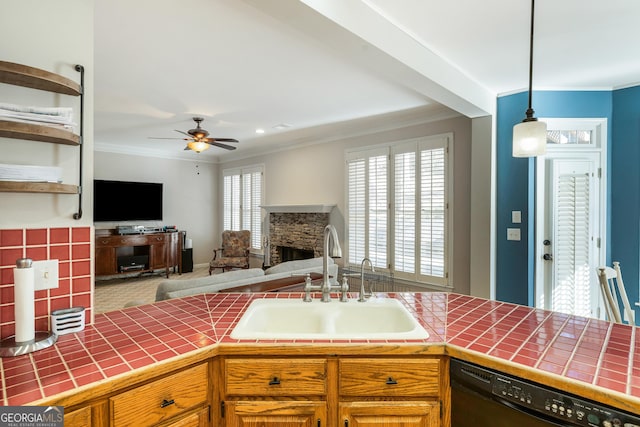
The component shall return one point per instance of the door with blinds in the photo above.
(569, 226)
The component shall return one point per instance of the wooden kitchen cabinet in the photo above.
(282, 392)
(390, 391)
(334, 391)
(78, 418)
(401, 413)
(275, 413)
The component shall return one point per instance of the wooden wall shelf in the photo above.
(37, 187)
(34, 132)
(35, 78)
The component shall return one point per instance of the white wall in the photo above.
(314, 174)
(190, 194)
(482, 250)
(56, 38)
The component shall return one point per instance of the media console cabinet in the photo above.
(137, 253)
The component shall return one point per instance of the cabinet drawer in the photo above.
(161, 399)
(105, 241)
(389, 377)
(276, 377)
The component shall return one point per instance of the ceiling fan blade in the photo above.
(225, 146)
(221, 140)
(184, 133)
(154, 137)
(187, 148)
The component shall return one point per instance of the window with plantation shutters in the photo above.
(397, 208)
(243, 196)
(367, 195)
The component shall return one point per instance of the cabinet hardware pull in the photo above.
(318, 422)
(346, 423)
(166, 403)
(391, 381)
(275, 381)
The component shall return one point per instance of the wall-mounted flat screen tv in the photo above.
(126, 201)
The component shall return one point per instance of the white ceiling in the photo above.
(336, 67)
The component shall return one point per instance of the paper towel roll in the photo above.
(24, 301)
(188, 244)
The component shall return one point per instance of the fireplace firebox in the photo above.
(288, 253)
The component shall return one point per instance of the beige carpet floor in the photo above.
(114, 294)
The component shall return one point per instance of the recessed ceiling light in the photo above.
(259, 130)
(282, 126)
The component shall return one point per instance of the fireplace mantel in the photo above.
(299, 208)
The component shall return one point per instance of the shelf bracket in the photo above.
(79, 68)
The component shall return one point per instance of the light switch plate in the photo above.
(513, 234)
(45, 274)
(516, 217)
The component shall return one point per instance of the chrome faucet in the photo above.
(363, 296)
(330, 234)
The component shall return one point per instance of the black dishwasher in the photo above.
(481, 397)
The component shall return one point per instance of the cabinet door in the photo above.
(78, 418)
(398, 413)
(196, 419)
(106, 261)
(275, 414)
(158, 252)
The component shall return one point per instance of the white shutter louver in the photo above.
(405, 212)
(572, 292)
(378, 223)
(432, 212)
(356, 209)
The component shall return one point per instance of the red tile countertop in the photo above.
(590, 351)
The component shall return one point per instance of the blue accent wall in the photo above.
(625, 189)
(516, 181)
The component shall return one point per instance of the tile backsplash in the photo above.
(71, 246)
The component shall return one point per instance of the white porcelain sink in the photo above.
(378, 318)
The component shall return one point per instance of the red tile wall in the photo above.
(71, 246)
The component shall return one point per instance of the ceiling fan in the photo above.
(198, 139)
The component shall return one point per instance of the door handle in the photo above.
(547, 257)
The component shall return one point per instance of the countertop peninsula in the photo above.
(588, 357)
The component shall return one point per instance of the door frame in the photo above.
(599, 128)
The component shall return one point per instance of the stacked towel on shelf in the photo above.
(50, 116)
(30, 173)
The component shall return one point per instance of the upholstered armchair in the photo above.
(234, 252)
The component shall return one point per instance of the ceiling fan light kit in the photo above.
(198, 146)
(530, 136)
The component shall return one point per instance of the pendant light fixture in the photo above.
(198, 146)
(530, 136)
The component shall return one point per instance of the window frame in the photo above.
(416, 145)
(238, 213)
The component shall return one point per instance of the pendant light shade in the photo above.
(529, 139)
(198, 146)
(530, 136)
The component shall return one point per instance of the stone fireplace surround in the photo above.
(294, 229)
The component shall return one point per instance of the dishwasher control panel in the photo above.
(558, 405)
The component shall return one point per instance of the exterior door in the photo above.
(570, 212)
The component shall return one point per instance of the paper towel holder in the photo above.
(10, 347)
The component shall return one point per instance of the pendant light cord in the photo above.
(530, 111)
